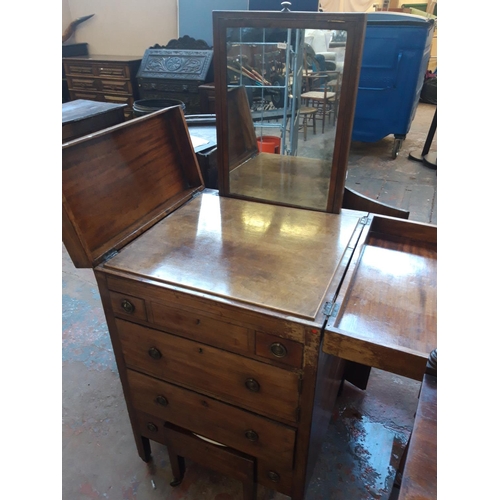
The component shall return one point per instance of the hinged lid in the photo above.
(176, 64)
(119, 182)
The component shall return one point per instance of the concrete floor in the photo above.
(368, 429)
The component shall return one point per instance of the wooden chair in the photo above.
(322, 91)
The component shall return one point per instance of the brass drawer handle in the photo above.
(161, 400)
(251, 435)
(252, 385)
(152, 427)
(127, 306)
(154, 353)
(273, 476)
(278, 350)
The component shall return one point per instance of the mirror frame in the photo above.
(353, 23)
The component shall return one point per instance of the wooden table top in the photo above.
(293, 180)
(279, 258)
(81, 109)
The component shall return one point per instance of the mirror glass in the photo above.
(292, 79)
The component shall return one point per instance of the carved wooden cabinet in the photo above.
(103, 78)
(232, 319)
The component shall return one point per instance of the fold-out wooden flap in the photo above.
(385, 315)
(118, 182)
(242, 141)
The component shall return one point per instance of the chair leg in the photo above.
(304, 124)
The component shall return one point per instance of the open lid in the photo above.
(120, 181)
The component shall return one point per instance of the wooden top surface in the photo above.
(302, 182)
(80, 109)
(103, 58)
(279, 258)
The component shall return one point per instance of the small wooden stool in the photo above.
(306, 113)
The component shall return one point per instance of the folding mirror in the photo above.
(285, 95)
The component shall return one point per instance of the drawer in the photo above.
(278, 349)
(219, 458)
(121, 86)
(90, 96)
(202, 328)
(151, 427)
(128, 305)
(78, 69)
(274, 477)
(90, 84)
(112, 70)
(239, 429)
(118, 99)
(245, 382)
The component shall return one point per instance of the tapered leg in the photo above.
(144, 448)
(178, 467)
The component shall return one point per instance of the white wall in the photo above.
(121, 27)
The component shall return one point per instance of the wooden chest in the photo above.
(103, 78)
(175, 73)
(230, 319)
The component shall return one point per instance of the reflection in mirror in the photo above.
(284, 88)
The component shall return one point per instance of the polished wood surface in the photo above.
(278, 258)
(287, 180)
(419, 480)
(82, 117)
(388, 316)
(150, 161)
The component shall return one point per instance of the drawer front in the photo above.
(151, 427)
(127, 305)
(219, 458)
(121, 86)
(89, 84)
(90, 96)
(202, 328)
(275, 477)
(78, 69)
(278, 349)
(112, 71)
(118, 99)
(239, 429)
(245, 382)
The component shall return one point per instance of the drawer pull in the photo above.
(252, 385)
(154, 353)
(278, 350)
(127, 306)
(251, 435)
(273, 476)
(152, 427)
(161, 400)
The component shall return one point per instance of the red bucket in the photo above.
(269, 144)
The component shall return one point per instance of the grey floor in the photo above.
(368, 429)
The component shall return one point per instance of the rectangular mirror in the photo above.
(286, 86)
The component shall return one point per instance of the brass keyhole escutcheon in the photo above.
(152, 427)
(154, 353)
(127, 306)
(252, 385)
(278, 350)
(273, 476)
(251, 435)
(161, 400)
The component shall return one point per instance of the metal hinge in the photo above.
(109, 255)
(196, 194)
(364, 220)
(331, 309)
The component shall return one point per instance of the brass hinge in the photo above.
(109, 255)
(331, 309)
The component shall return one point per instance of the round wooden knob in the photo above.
(251, 435)
(161, 400)
(278, 350)
(252, 385)
(273, 476)
(127, 306)
(154, 353)
(152, 427)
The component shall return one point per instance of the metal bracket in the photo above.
(109, 255)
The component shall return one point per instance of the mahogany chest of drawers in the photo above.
(103, 78)
(231, 320)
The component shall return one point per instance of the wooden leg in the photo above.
(178, 466)
(314, 123)
(144, 448)
(304, 124)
